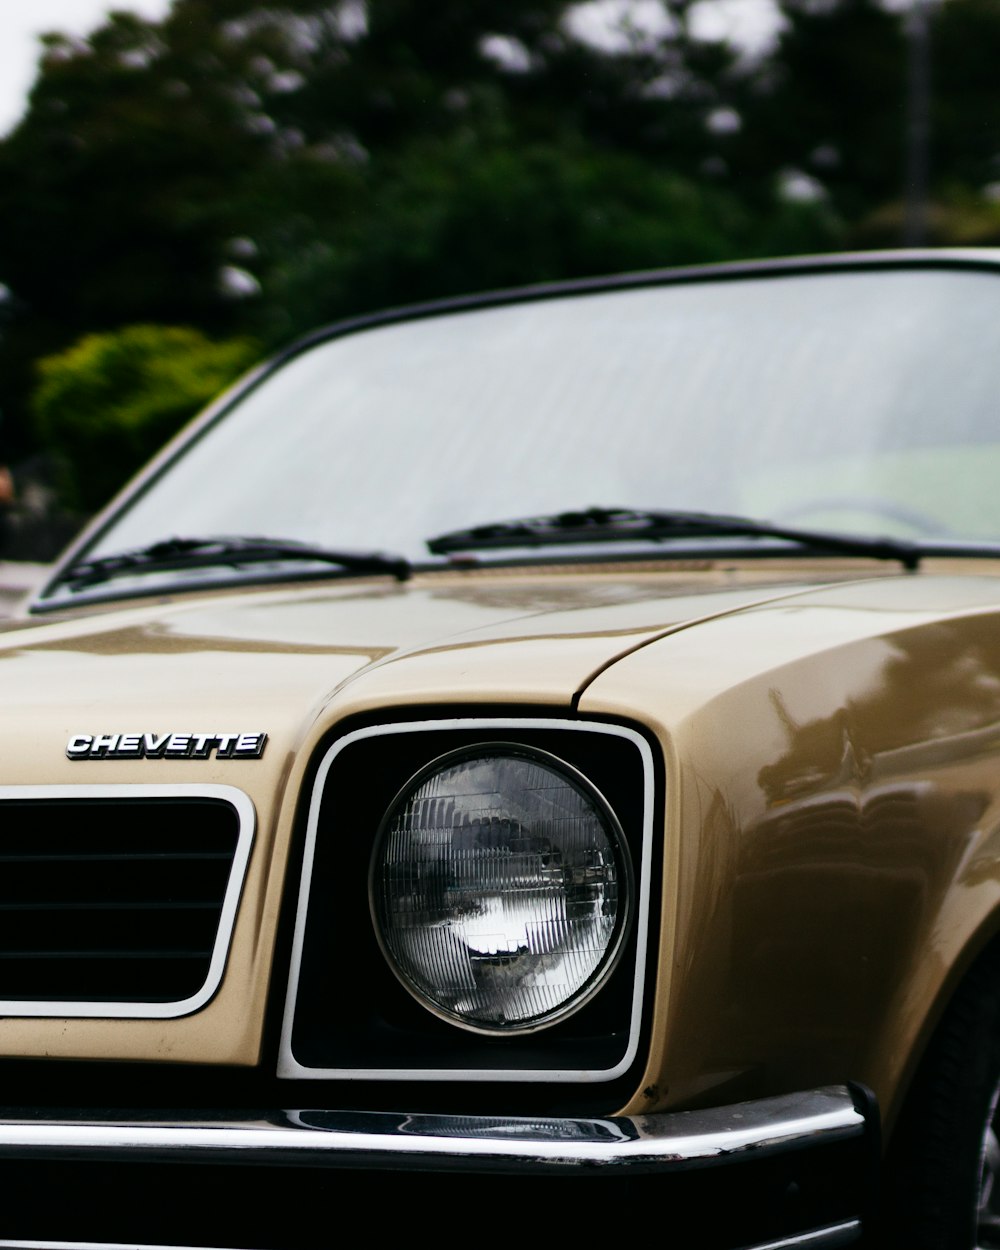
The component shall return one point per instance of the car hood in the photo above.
(276, 660)
(293, 663)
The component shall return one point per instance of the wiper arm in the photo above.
(609, 525)
(177, 554)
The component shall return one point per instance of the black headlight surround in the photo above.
(576, 781)
(348, 1015)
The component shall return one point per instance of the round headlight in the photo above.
(500, 888)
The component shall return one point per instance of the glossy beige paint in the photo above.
(833, 831)
(292, 662)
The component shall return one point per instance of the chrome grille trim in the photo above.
(69, 1007)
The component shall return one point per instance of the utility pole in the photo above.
(918, 100)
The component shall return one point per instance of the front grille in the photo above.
(112, 899)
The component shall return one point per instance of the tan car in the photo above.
(527, 769)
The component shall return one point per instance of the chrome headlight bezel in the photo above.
(575, 781)
(348, 1016)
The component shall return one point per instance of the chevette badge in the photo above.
(170, 746)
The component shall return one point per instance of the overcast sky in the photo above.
(22, 21)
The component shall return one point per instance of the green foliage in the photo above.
(107, 403)
(456, 214)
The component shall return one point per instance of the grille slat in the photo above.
(145, 905)
(107, 954)
(97, 857)
(106, 900)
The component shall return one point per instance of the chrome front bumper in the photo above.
(718, 1140)
(651, 1143)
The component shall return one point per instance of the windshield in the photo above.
(862, 402)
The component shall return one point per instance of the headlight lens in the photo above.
(500, 888)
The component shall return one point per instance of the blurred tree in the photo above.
(828, 105)
(107, 403)
(243, 165)
(455, 214)
(832, 107)
(965, 120)
(117, 192)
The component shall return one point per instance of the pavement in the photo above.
(17, 581)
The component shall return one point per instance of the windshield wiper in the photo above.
(610, 525)
(178, 554)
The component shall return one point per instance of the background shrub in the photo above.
(108, 402)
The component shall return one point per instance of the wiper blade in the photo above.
(178, 554)
(609, 525)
